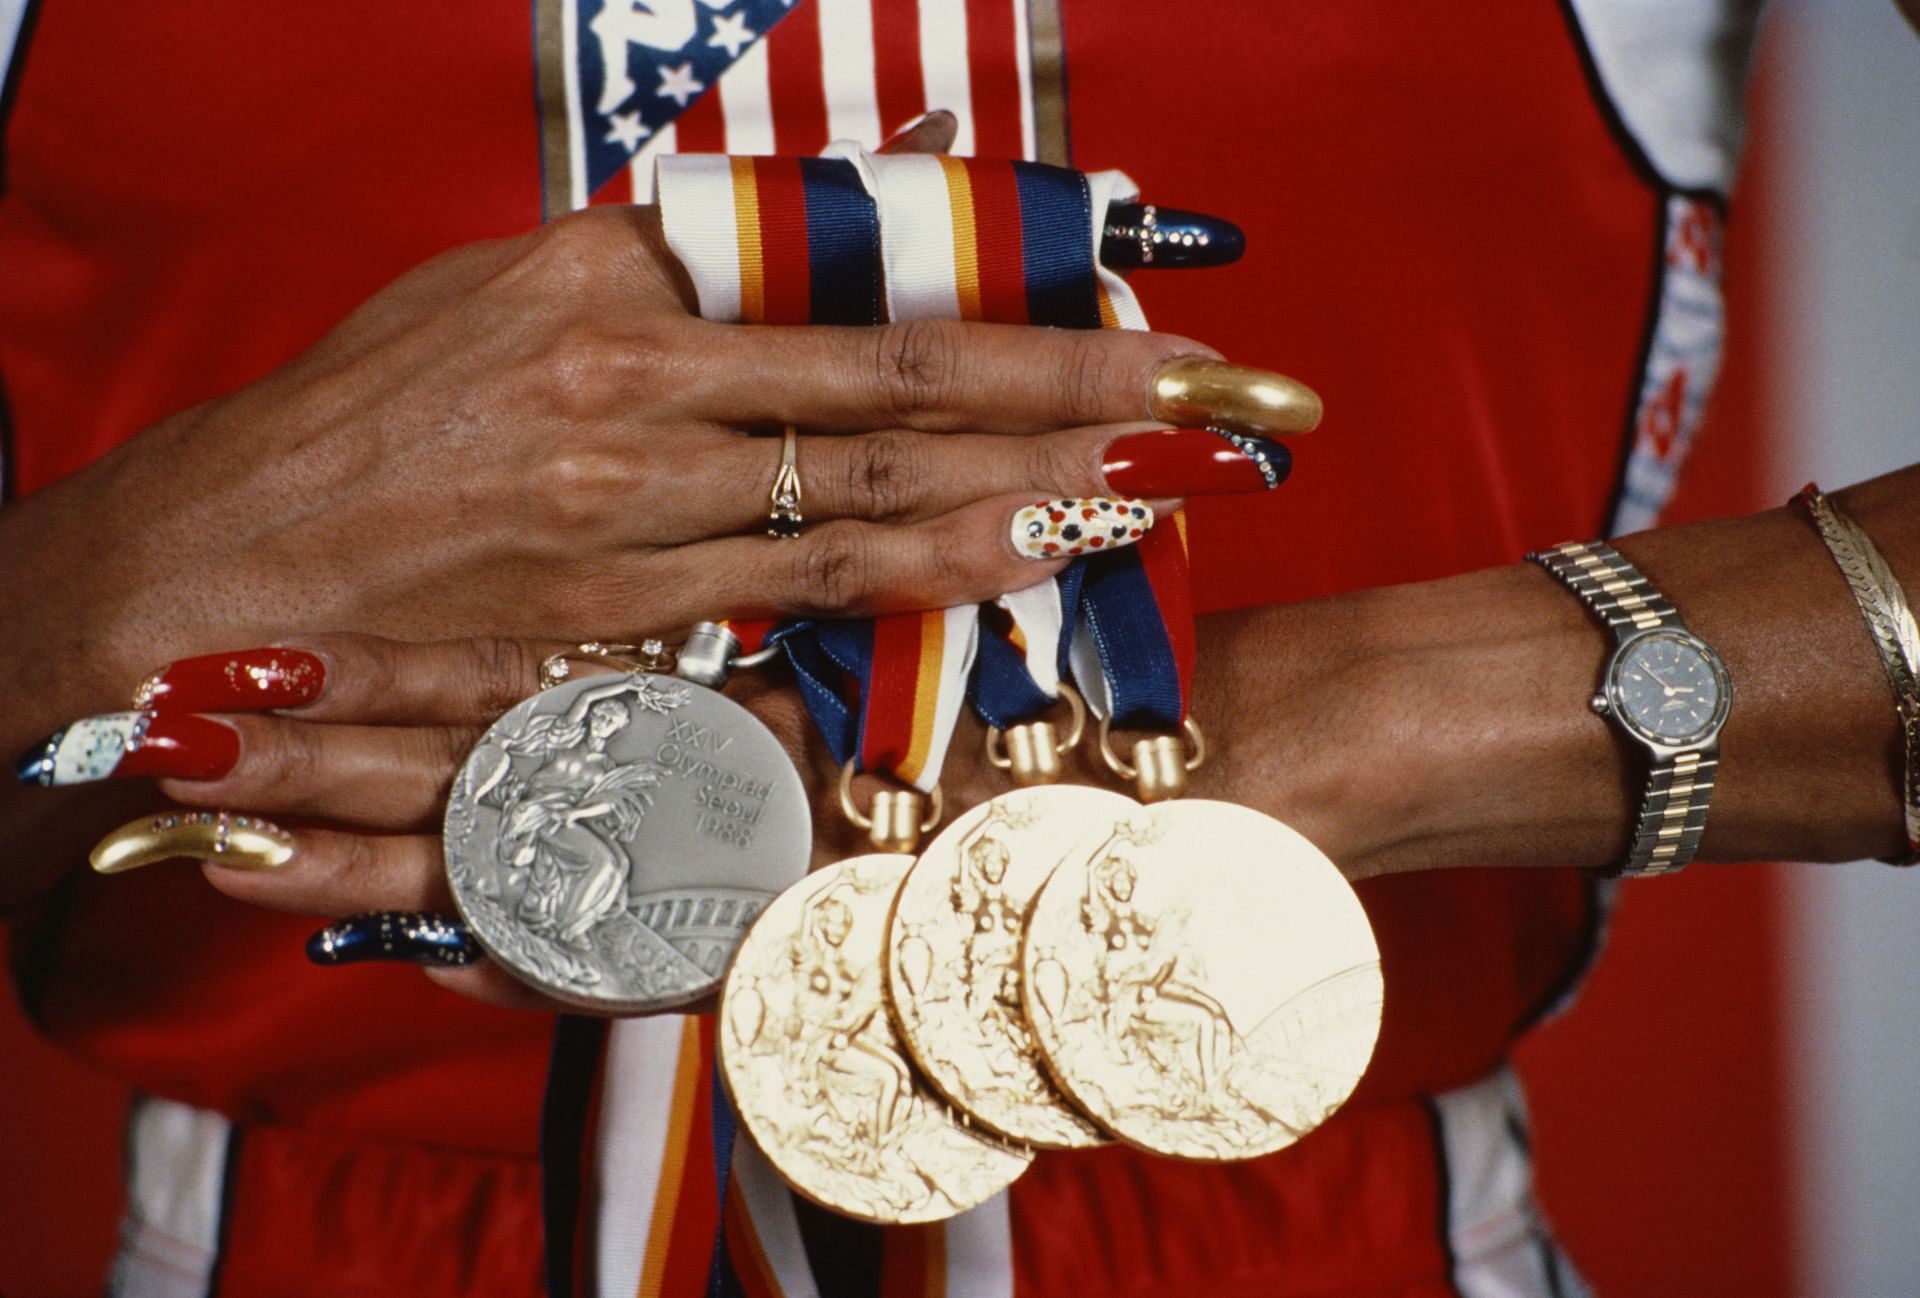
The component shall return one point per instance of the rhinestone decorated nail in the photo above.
(406, 937)
(250, 680)
(119, 745)
(1061, 529)
(1193, 462)
(222, 837)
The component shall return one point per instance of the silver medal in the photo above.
(610, 840)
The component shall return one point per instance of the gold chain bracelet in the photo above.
(1889, 618)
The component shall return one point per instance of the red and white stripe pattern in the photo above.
(828, 72)
(833, 71)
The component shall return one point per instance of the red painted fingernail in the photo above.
(178, 745)
(1191, 462)
(252, 680)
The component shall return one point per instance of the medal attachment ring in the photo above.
(899, 818)
(1159, 770)
(1031, 750)
(609, 840)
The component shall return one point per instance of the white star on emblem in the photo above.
(732, 34)
(627, 131)
(678, 84)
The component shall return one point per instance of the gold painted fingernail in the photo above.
(239, 842)
(1195, 392)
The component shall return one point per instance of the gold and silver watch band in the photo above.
(1673, 810)
(1614, 589)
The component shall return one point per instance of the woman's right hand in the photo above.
(537, 436)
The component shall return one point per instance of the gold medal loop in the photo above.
(1159, 769)
(1032, 750)
(647, 656)
(899, 816)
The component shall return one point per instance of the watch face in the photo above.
(1666, 688)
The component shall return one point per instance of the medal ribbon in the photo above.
(1133, 650)
(793, 241)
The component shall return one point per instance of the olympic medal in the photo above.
(818, 1076)
(610, 840)
(1202, 981)
(953, 957)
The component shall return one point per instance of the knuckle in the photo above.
(948, 570)
(884, 473)
(357, 859)
(579, 486)
(283, 759)
(572, 253)
(499, 673)
(1057, 465)
(438, 750)
(834, 567)
(1084, 373)
(916, 366)
(579, 370)
(375, 668)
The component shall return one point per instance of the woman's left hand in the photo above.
(351, 743)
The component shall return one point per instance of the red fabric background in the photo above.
(1638, 1120)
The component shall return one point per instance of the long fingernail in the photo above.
(934, 119)
(121, 744)
(237, 842)
(252, 680)
(1193, 462)
(1197, 391)
(1140, 236)
(408, 937)
(1060, 529)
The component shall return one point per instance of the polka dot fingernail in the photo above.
(1062, 529)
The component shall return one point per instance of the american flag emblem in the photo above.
(624, 81)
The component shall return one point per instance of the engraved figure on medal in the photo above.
(953, 960)
(610, 839)
(818, 1076)
(1203, 981)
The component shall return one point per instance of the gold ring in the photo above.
(647, 656)
(783, 502)
(240, 842)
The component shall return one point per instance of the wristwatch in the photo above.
(1665, 687)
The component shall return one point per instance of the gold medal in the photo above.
(953, 957)
(1202, 981)
(819, 1077)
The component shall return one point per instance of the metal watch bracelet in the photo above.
(1673, 808)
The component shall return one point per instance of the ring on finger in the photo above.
(783, 501)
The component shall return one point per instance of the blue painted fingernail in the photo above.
(1272, 458)
(403, 937)
(1144, 236)
(36, 764)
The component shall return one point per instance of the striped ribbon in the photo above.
(1024, 644)
(1133, 652)
(795, 241)
(774, 240)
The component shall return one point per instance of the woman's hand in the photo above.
(535, 436)
(354, 757)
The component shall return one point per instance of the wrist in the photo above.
(1412, 727)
